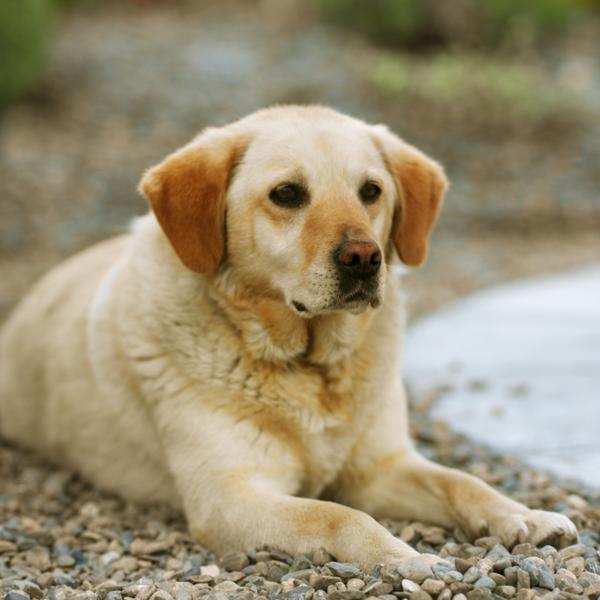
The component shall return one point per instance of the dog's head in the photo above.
(303, 203)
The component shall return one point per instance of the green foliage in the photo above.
(474, 88)
(385, 20)
(465, 23)
(24, 31)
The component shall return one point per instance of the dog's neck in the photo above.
(272, 332)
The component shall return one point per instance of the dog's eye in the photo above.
(369, 192)
(289, 195)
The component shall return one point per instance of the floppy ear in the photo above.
(421, 184)
(187, 194)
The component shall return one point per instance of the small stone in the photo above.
(210, 570)
(16, 595)
(567, 582)
(445, 594)
(234, 561)
(498, 579)
(161, 595)
(459, 597)
(303, 592)
(538, 573)
(472, 575)
(506, 591)
(65, 561)
(343, 570)
(590, 582)
(410, 586)
(434, 536)
(346, 595)
(463, 565)
(511, 575)
(378, 588)
(148, 547)
(127, 564)
(32, 589)
(354, 584)
(109, 557)
(460, 587)
(526, 594)
(6, 546)
(488, 542)
(303, 574)
(39, 558)
(433, 586)
(485, 583)
(409, 534)
(526, 549)
(420, 595)
(276, 569)
(480, 594)
(89, 510)
(576, 565)
(571, 551)
(452, 577)
(523, 580)
(322, 582)
(227, 586)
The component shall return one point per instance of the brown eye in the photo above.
(369, 192)
(288, 195)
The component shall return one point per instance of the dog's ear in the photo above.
(187, 194)
(421, 184)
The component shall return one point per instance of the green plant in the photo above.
(24, 31)
(475, 87)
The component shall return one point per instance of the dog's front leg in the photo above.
(404, 485)
(237, 491)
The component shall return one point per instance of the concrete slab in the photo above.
(519, 367)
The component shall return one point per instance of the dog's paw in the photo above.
(536, 526)
(417, 568)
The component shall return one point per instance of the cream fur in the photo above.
(162, 384)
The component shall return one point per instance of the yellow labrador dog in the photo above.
(237, 352)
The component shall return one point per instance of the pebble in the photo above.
(506, 591)
(234, 561)
(6, 546)
(144, 547)
(433, 586)
(590, 582)
(343, 570)
(410, 586)
(571, 552)
(15, 595)
(210, 570)
(420, 595)
(452, 577)
(523, 580)
(485, 583)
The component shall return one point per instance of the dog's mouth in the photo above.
(355, 301)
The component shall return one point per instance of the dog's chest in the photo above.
(317, 414)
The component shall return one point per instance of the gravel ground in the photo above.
(69, 160)
(60, 538)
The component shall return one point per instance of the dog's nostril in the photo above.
(354, 261)
(376, 258)
(299, 306)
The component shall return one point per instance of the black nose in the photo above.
(358, 259)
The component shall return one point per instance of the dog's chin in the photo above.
(355, 303)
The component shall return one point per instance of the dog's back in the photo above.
(38, 343)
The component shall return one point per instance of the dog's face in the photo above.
(302, 203)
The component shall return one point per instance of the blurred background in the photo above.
(506, 94)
